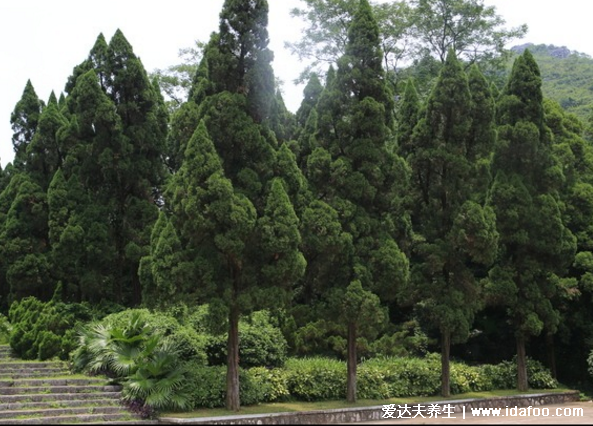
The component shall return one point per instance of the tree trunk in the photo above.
(551, 354)
(522, 382)
(445, 365)
(351, 392)
(232, 373)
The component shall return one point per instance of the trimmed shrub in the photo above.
(371, 383)
(465, 378)
(409, 376)
(207, 385)
(5, 329)
(274, 382)
(261, 344)
(504, 375)
(43, 330)
(316, 379)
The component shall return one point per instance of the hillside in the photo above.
(567, 76)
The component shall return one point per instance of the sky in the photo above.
(44, 40)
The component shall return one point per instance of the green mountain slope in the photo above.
(567, 76)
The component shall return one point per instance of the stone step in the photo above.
(30, 373)
(43, 397)
(37, 382)
(64, 411)
(58, 389)
(96, 418)
(130, 422)
(111, 402)
(34, 365)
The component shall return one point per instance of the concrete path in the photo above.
(558, 414)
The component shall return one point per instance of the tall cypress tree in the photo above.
(23, 239)
(119, 123)
(311, 94)
(45, 152)
(24, 120)
(356, 173)
(536, 246)
(227, 204)
(453, 230)
(408, 116)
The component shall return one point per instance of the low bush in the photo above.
(207, 385)
(43, 330)
(5, 329)
(261, 344)
(409, 376)
(504, 375)
(315, 379)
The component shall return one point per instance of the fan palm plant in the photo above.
(149, 370)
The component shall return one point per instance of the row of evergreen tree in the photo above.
(342, 213)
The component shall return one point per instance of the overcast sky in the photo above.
(43, 40)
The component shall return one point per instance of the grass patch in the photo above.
(298, 406)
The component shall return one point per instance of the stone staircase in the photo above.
(34, 392)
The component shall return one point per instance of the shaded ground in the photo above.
(553, 418)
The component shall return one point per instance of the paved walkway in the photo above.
(556, 416)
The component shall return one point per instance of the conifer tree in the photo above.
(183, 123)
(576, 158)
(24, 120)
(453, 231)
(227, 203)
(408, 116)
(281, 120)
(311, 94)
(536, 245)
(354, 171)
(118, 121)
(23, 239)
(45, 153)
(482, 135)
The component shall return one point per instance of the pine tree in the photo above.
(536, 245)
(408, 116)
(354, 171)
(453, 230)
(117, 132)
(311, 94)
(45, 153)
(281, 120)
(183, 123)
(572, 301)
(24, 120)
(215, 225)
(225, 196)
(23, 239)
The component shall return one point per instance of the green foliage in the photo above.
(43, 330)
(314, 379)
(5, 329)
(537, 245)
(207, 385)
(24, 120)
(261, 344)
(504, 375)
(125, 346)
(565, 77)
(407, 340)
